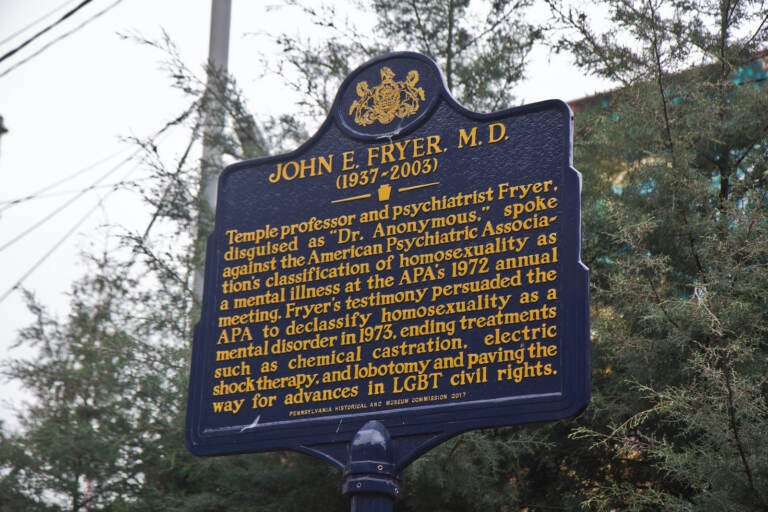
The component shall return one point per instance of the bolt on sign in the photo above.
(414, 263)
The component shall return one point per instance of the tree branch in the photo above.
(734, 426)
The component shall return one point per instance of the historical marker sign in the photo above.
(413, 263)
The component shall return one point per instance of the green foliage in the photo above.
(475, 471)
(84, 436)
(481, 48)
(265, 482)
(678, 254)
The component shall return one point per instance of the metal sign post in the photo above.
(371, 478)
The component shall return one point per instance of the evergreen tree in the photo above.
(674, 168)
(95, 400)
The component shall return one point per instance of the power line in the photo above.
(159, 133)
(10, 203)
(162, 131)
(46, 29)
(21, 200)
(33, 23)
(63, 239)
(62, 206)
(67, 34)
(93, 186)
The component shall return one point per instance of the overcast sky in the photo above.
(70, 107)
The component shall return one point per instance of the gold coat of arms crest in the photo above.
(388, 100)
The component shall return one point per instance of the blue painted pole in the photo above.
(371, 482)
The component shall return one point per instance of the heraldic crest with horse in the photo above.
(388, 100)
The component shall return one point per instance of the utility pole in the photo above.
(213, 129)
(3, 129)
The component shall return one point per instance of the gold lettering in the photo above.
(404, 150)
(347, 160)
(496, 132)
(293, 169)
(392, 305)
(468, 138)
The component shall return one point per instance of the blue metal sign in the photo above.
(414, 263)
